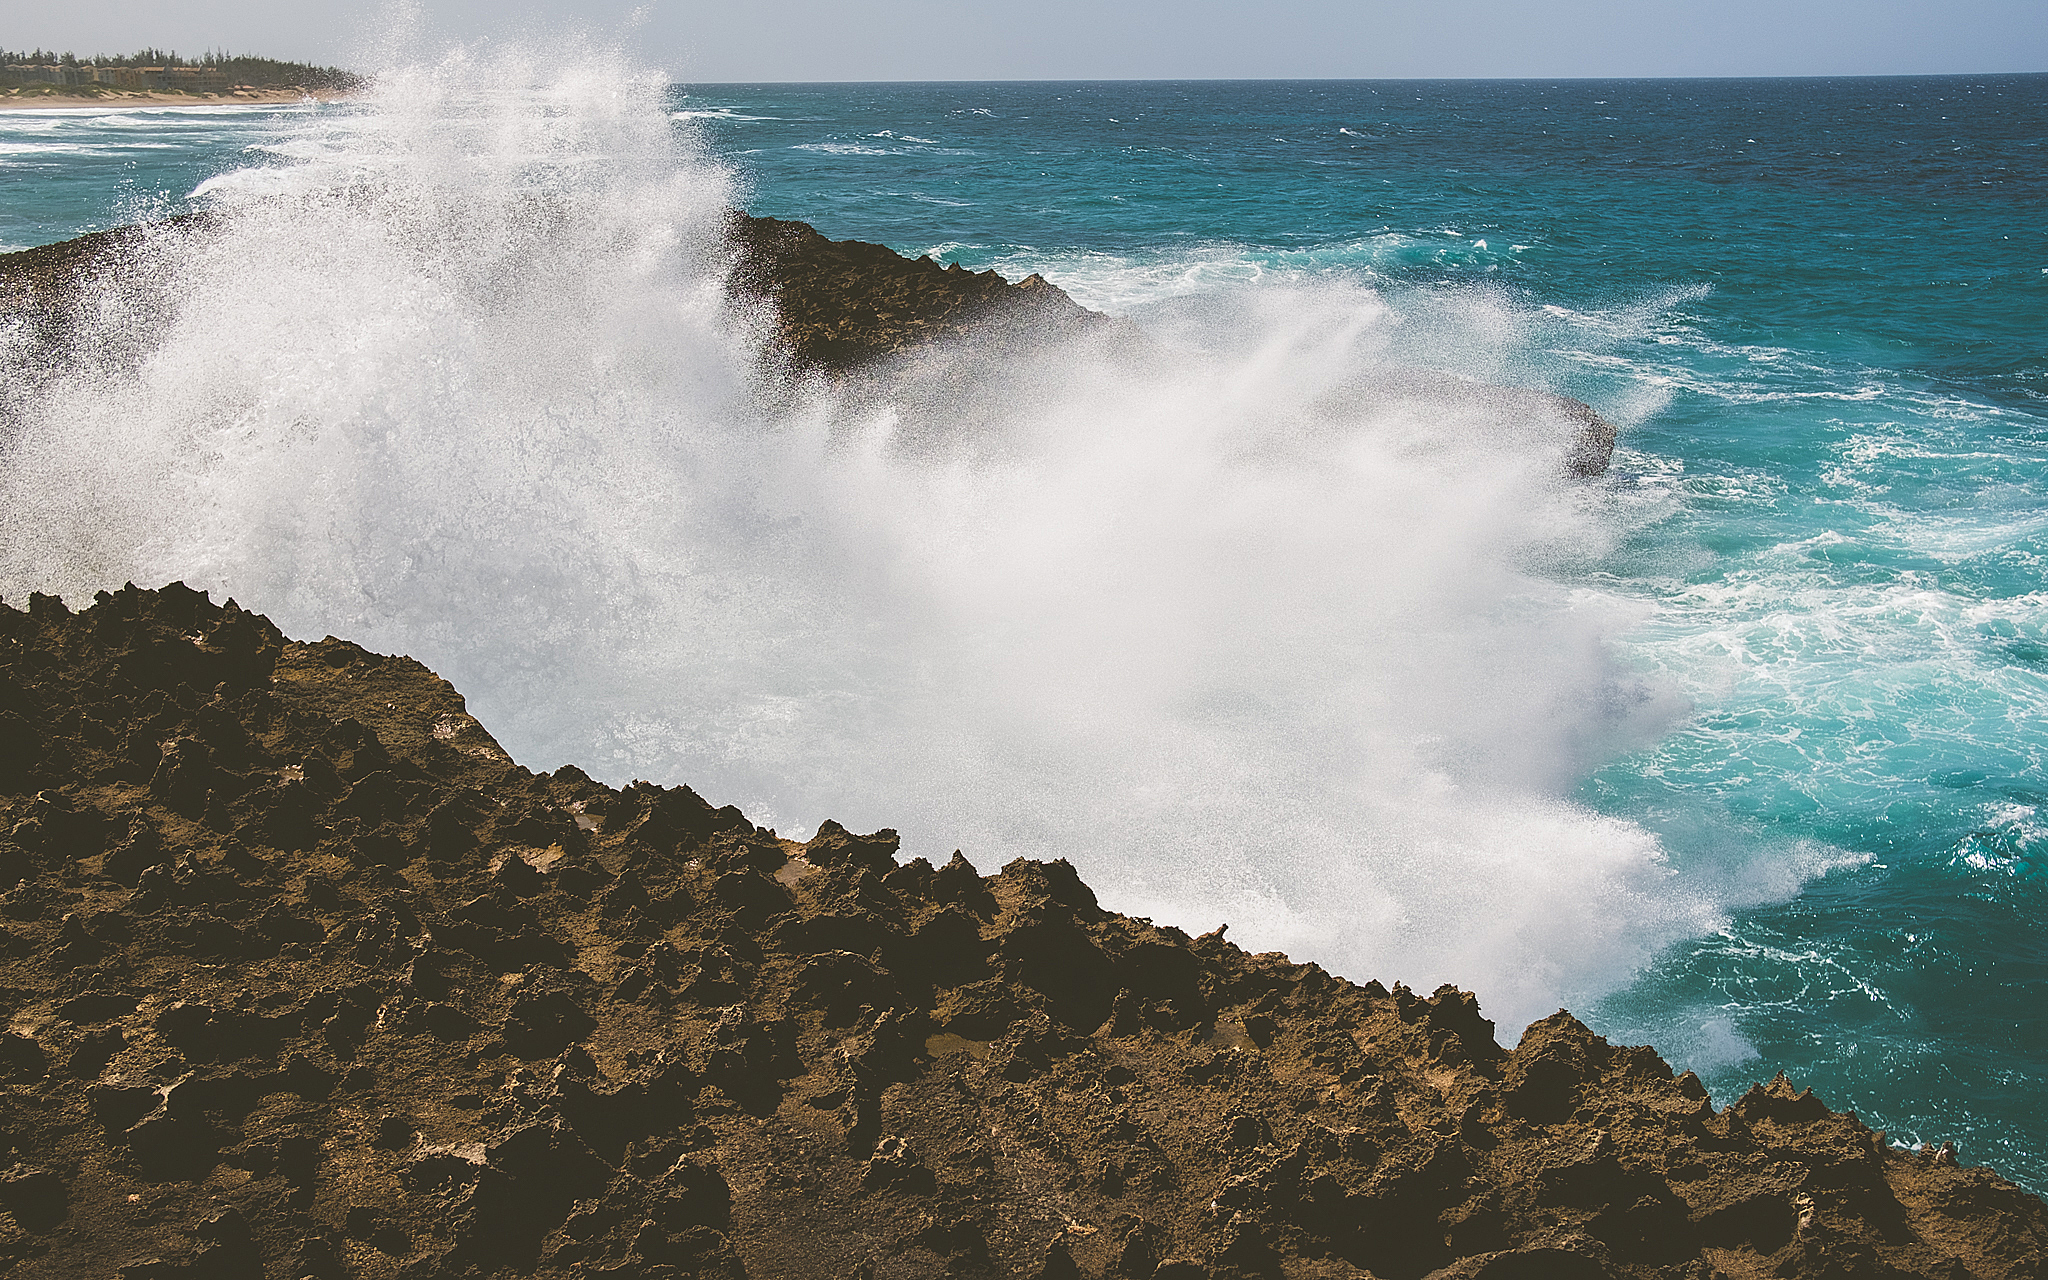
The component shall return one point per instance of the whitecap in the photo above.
(844, 149)
(719, 113)
(50, 149)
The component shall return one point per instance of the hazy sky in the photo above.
(708, 40)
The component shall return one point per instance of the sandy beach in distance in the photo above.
(18, 101)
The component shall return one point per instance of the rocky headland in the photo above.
(305, 977)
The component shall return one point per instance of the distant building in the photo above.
(191, 79)
(20, 75)
(117, 77)
(197, 79)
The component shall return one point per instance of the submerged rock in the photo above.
(306, 977)
(1593, 448)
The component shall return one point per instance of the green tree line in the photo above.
(239, 68)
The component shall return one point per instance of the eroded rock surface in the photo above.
(845, 303)
(304, 977)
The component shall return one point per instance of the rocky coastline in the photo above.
(305, 977)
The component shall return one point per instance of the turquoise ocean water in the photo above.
(1817, 309)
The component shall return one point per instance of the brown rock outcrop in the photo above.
(844, 303)
(304, 977)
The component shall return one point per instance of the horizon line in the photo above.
(1506, 79)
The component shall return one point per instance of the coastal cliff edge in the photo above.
(306, 977)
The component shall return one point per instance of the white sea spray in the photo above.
(1262, 627)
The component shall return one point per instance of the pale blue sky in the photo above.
(708, 40)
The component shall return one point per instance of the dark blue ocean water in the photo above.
(1819, 311)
